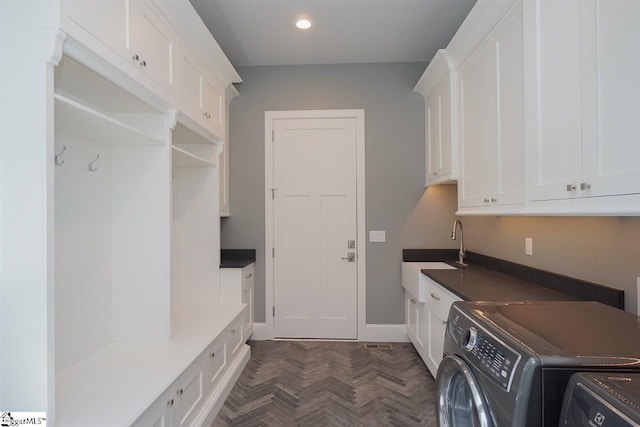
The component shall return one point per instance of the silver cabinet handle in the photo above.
(585, 186)
(571, 187)
(435, 297)
(212, 354)
(249, 276)
(179, 392)
(135, 57)
(493, 200)
(486, 200)
(170, 402)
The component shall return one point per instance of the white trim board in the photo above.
(372, 333)
(269, 117)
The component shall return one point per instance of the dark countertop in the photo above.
(493, 279)
(476, 283)
(237, 258)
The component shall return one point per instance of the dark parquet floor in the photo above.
(309, 383)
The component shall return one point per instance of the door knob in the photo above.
(351, 257)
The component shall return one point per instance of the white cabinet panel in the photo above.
(188, 395)
(437, 87)
(438, 121)
(611, 135)
(552, 47)
(478, 119)
(583, 93)
(510, 160)
(106, 20)
(236, 285)
(492, 121)
(152, 45)
(189, 83)
(213, 106)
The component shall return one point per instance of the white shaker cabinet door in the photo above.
(509, 142)
(478, 128)
(438, 118)
(611, 116)
(153, 45)
(106, 20)
(553, 122)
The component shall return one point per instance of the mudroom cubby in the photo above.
(112, 214)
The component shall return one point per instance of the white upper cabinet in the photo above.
(491, 121)
(133, 29)
(582, 105)
(438, 90)
(153, 44)
(200, 95)
(106, 20)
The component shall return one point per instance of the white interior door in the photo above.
(314, 176)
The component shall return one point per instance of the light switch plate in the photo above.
(377, 236)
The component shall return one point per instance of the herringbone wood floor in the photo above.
(289, 383)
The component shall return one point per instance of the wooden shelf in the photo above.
(75, 118)
(183, 158)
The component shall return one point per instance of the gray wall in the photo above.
(604, 250)
(396, 200)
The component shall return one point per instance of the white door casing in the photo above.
(316, 170)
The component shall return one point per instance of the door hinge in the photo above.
(273, 252)
(274, 311)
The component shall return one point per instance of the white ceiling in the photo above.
(262, 32)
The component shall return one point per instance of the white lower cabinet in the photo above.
(415, 311)
(426, 323)
(200, 389)
(236, 286)
(437, 307)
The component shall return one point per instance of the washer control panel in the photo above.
(485, 351)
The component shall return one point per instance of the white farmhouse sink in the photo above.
(416, 283)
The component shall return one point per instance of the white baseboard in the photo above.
(373, 333)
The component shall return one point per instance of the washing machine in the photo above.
(508, 364)
(602, 400)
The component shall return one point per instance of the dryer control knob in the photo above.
(469, 339)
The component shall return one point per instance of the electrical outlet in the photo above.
(528, 246)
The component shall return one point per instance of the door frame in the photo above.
(361, 242)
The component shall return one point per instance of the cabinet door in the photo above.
(106, 20)
(509, 140)
(159, 413)
(438, 121)
(422, 328)
(247, 298)
(214, 365)
(411, 317)
(477, 127)
(189, 84)
(553, 93)
(152, 44)
(435, 343)
(188, 395)
(213, 105)
(610, 64)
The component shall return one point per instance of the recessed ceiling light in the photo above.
(303, 24)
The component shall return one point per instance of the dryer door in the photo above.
(461, 402)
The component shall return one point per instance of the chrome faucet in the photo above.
(461, 253)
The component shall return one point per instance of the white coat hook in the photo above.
(57, 160)
(92, 167)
